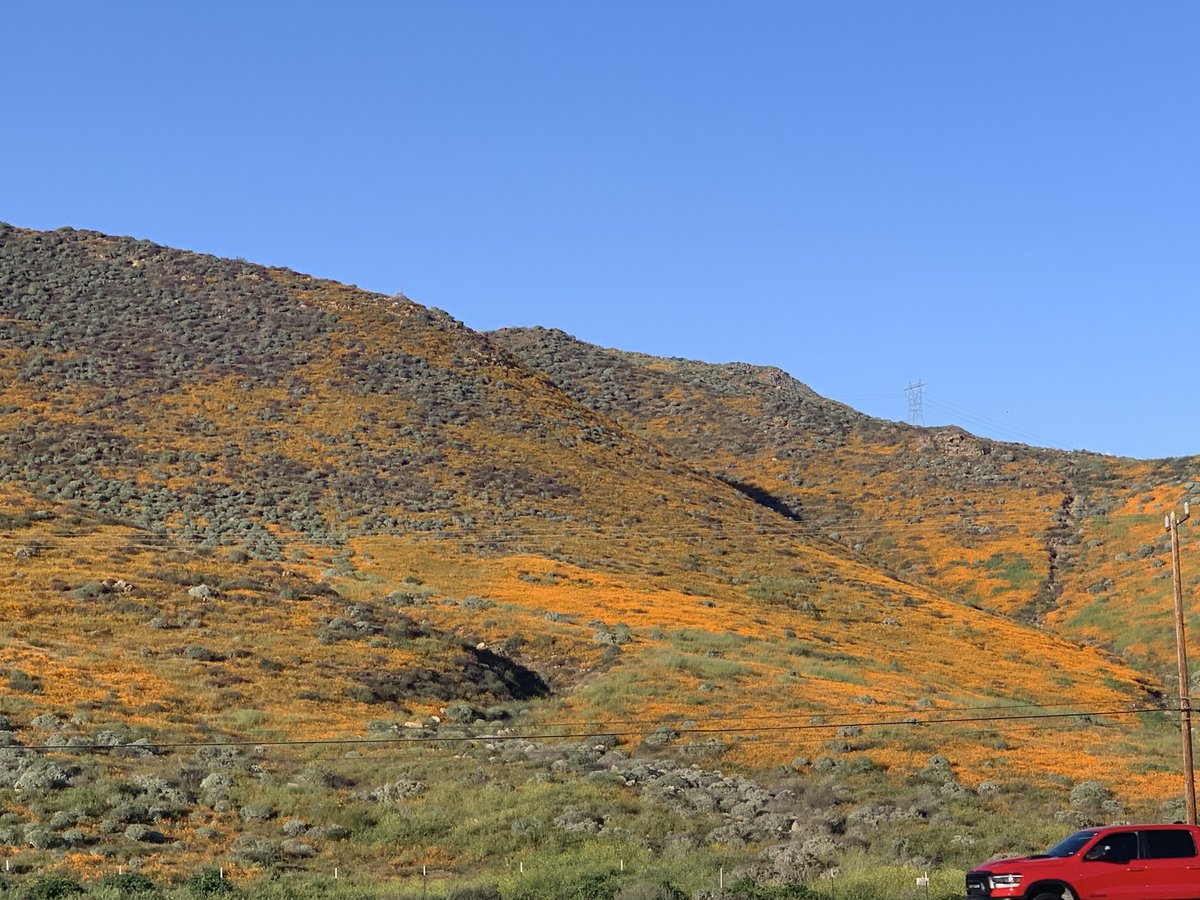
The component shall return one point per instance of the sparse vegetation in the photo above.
(310, 579)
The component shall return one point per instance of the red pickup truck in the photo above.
(1117, 862)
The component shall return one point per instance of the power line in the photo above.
(862, 524)
(990, 424)
(667, 719)
(907, 721)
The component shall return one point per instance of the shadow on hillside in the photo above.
(763, 498)
(476, 674)
(502, 676)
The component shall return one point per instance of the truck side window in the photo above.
(1168, 844)
(1120, 846)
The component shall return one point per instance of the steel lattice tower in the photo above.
(916, 415)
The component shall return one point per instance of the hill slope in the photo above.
(1074, 540)
(251, 506)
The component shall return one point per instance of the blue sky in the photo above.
(999, 199)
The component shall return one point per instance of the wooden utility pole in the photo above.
(1185, 704)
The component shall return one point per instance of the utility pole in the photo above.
(1185, 704)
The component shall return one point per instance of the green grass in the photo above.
(861, 878)
(246, 719)
(1147, 622)
(793, 593)
(496, 817)
(1015, 570)
(695, 640)
(829, 673)
(710, 668)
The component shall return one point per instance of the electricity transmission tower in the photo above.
(915, 414)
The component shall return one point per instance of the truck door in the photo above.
(1112, 870)
(1172, 866)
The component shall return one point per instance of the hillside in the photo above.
(1070, 539)
(290, 552)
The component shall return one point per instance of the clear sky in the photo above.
(1001, 199)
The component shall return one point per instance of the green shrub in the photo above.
(588, 886)
(129, 884)
(23, 682)
(650, 890)
(477, 892)
(209, 883)
(49, 887)
(89, 591)
(748, 889)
